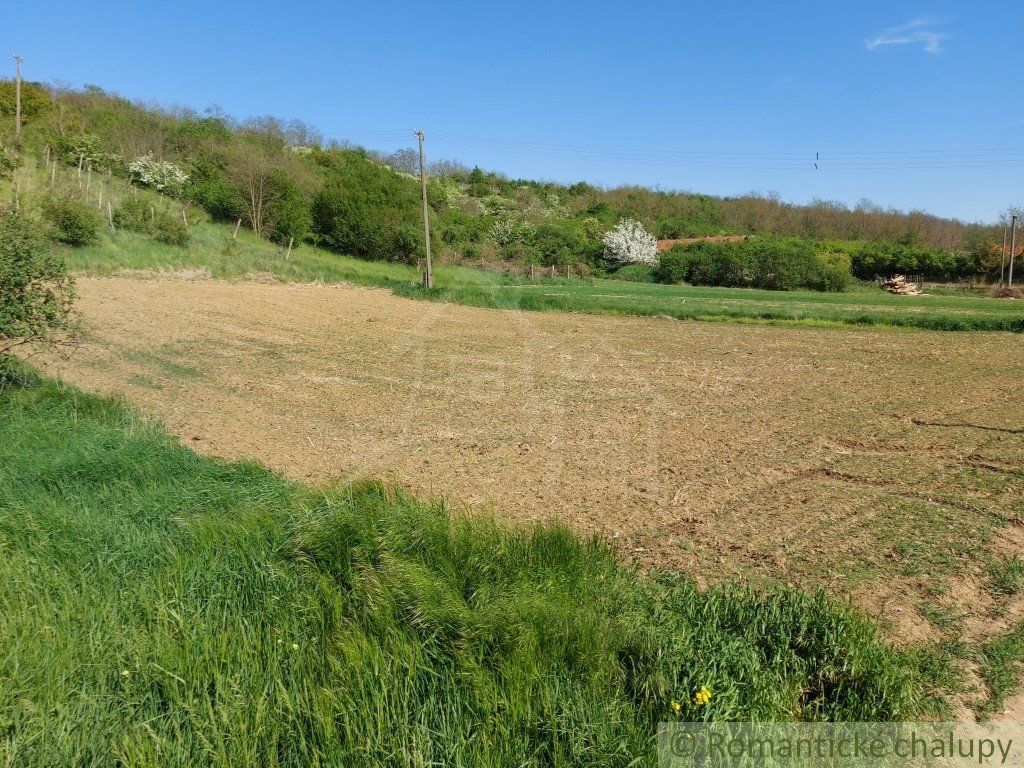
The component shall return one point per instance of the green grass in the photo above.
(1002, 667)
(158, 608)
(861, 306)
(1006, 576)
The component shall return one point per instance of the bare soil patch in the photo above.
(882, 464)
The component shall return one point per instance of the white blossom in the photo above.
(629, 243)
(158, 174)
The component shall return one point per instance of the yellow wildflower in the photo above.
(702, 697)
(676, 707)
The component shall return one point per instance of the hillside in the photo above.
(284, 183)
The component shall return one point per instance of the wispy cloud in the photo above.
(920, 31)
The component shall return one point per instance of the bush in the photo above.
(884, 259)
(774, 264)
(36, 291)
(457, 227)
(287, 209)
(72, 222)
(138, 215)
(168, 228)
(366, 210)
(209, 188)
(835, 273)
(563, 243)
(134, 214)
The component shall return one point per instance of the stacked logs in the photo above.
(898, 284)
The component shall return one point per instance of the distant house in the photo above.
(664, 245)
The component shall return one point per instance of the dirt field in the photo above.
(886, 464)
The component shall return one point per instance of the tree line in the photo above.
(284, 181)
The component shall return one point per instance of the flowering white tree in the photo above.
(161, 176)
(629, 243)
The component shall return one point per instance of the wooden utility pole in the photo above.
(1002, 263)
(17, 97)
(1013, 247)
(428, 272)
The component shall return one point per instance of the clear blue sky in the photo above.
(765, 85)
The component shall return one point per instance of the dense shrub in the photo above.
(209, 188)
(366, 210)
(138, 215)
(36, 291)
(988, 257)
(884, 259)
(288, 209)
(563, 243)
(168, 228)
(133, 213)
(835, 274)
(770, 263)
(71, 221)
(457, 227)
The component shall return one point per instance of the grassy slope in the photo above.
(162, 609)
(861, 306)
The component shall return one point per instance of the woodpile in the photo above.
(899, 285)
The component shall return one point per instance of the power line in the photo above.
(874, 160)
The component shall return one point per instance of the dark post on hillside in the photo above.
(17, 97)
(1013, 247)
(428, 272)
(1002, 263)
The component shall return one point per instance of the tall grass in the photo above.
(162, 609)
(1002, 664)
